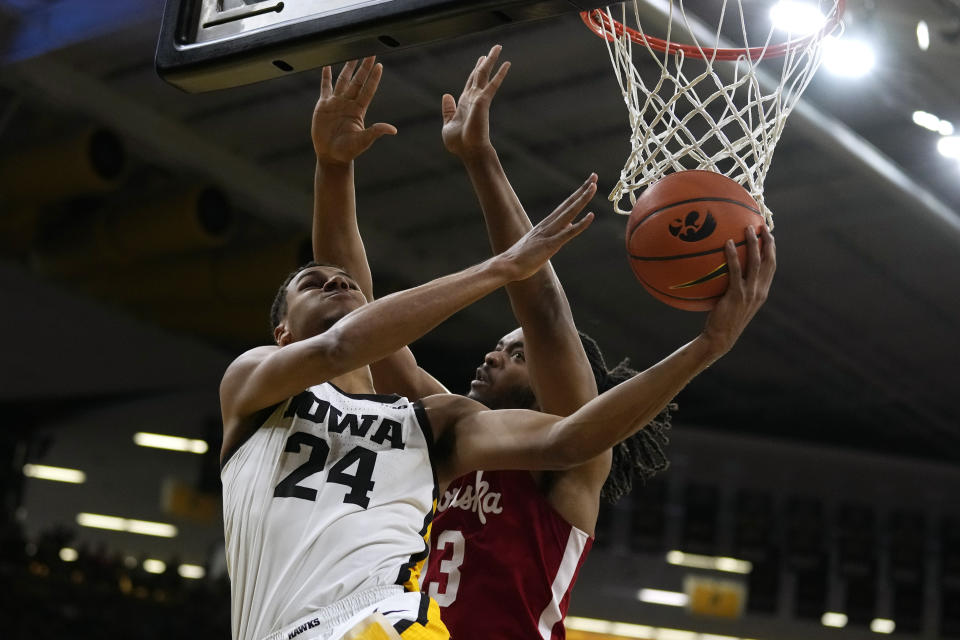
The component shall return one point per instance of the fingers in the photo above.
(346, 74)
(353, 89)
(769, 257)
(491, 89)
(448, 107)
(480, 78)
(372, 133)
(578, 227)
(486, 64)
(326, 83)
(370, 84)
(753, 254)
(382, 129)
(733, 264)
(581, 196)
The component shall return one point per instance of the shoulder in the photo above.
(445, 409)
(237, 375)
(246, 361)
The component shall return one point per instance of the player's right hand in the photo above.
(530, 252)
(337, 130)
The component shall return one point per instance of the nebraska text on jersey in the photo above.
(478, 499)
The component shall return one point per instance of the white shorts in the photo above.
(411, 616)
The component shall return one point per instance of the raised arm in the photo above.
(268, 375)
(339, 136)
(516, 439)
(559, 371)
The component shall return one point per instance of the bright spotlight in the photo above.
(949, 147)
(848, 58)
(834, 619)
(57, 474)
(882, 625)
(923, 35)
(68, 554)
(191, 571)
(152, 565)
(797, 18)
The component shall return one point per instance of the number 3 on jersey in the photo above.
(451, 567)
(360, 482)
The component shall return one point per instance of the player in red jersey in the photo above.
(512, 542)
(506, 545)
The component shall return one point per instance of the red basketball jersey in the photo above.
(502, 560)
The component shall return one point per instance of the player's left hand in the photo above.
(337, 130)
(466, 122)
(747, 291)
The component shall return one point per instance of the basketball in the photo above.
(676, 233)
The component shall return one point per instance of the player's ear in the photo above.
(280, 335)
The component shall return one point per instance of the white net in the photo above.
(691, 109)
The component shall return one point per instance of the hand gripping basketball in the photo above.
(531, 251)
(746, 292)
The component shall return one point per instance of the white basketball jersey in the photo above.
(334, 494)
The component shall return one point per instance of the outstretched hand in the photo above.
(337, 130)
(531, 251)
(747, 291)
(466, 122)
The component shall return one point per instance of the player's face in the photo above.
(317, 298)
(502, 381)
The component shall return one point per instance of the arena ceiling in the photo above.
(857, 346)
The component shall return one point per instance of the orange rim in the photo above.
(606, 27)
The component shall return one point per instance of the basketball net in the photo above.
(717, 98)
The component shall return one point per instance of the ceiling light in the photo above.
(143, 527)
(675, 634)
(173, 443)
(57, 474)
(159, 529)
(848, 58)
(715, 563)
(658, 596)
(626, 630)
(797, 18)
(882, 625)
(949, 146)
(923, 35)
(69, 555)
(191, 571)
(933, 123)
(152, 565)
(833, 619)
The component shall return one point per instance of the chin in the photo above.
(476, 396)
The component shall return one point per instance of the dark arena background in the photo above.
(813, 490)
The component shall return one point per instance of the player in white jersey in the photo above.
(295, 541)
(326, 337)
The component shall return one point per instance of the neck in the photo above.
(356, 381)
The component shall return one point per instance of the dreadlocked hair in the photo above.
(642, 454)
(278, 310)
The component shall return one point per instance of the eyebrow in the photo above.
(310, 272)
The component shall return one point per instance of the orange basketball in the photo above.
(676, 234)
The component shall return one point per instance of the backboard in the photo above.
(215, 44)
